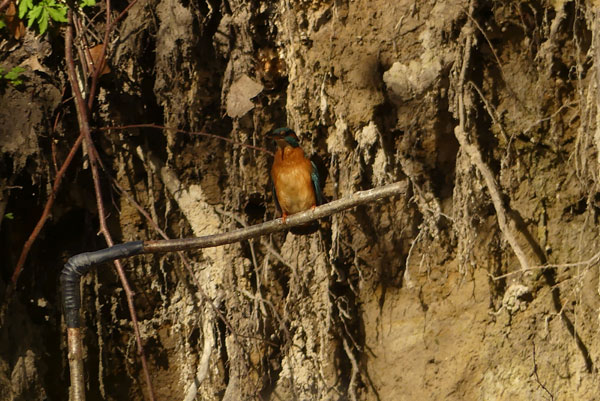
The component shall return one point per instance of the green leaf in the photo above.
(33, 14)
(9, 216)
(58, 14)
(2, 23)
(43, 21)
(14, 73)
(87, 3)
(24, 5)
(14, 76)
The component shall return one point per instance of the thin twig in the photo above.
(46, 212)
(547, 118)
(537, 377)
(176, 130)
(97, 70)
(84, 50)
(508, 86)
(125, 11)
(491, 111)
(269, 247)
(591, 261)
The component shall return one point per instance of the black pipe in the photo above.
(79, 265)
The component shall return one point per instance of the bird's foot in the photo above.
(284, 217)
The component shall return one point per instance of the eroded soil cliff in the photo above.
(486, 110)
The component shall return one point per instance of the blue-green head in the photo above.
(285, 136)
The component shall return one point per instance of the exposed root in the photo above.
(472, 150)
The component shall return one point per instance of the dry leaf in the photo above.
(34, 63)
(96, 54)
(239, 99)
(14, 25)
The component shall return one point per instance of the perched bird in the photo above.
(296, 185)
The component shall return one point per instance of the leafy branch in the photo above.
(43, 11)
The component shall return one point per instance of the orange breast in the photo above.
(291, 177)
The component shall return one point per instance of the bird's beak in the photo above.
(278, 139)
(280, 142)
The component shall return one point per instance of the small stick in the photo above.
(199, 133)
(49, 203)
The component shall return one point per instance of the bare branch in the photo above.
(120, 16)
(49, 203)
(273, 226)
(176, 130)
(84, 128)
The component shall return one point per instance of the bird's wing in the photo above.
(275, 198)
(314, 175)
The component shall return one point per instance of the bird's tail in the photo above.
(305, 229)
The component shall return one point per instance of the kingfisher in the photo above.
(296, 185)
